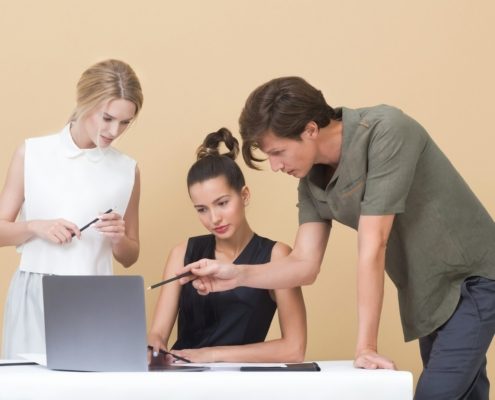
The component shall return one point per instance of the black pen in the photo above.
(164, 352)
(169, 280)
(92, 222)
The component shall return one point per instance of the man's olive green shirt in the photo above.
(441, 232)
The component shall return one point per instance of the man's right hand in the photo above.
(212, 276)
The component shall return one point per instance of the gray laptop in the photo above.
(96, 323)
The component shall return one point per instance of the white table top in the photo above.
(337, 380)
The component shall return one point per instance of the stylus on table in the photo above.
(169, 280)
(164, 352)
(92, 222)
(15, 363)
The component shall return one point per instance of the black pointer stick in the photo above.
(169, 280)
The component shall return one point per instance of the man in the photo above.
(378, 171)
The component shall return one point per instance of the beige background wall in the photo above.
(198, 61)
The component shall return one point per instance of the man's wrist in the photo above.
(364, 349)
(242, 276)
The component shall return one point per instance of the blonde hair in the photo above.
(107, 80)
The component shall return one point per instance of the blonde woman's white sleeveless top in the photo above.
(63, 181)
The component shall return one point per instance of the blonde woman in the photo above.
(60, 182)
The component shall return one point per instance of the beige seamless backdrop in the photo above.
(199, 60)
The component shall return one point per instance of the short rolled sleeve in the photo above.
(307, 209)
(394, 149)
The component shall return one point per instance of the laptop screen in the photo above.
(95, 323)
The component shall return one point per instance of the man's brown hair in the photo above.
(283, 106)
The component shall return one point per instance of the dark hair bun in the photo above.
(212, 142)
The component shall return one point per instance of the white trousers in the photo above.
(23, 326)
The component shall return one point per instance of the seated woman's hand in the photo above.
(155, 357)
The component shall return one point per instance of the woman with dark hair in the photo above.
(229, 326)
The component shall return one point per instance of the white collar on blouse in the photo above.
(71, 150)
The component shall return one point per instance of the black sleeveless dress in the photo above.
(239, 316)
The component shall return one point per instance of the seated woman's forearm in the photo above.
(278, 350)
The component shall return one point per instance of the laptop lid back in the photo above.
(95, 323)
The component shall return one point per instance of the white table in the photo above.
(337, 380)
